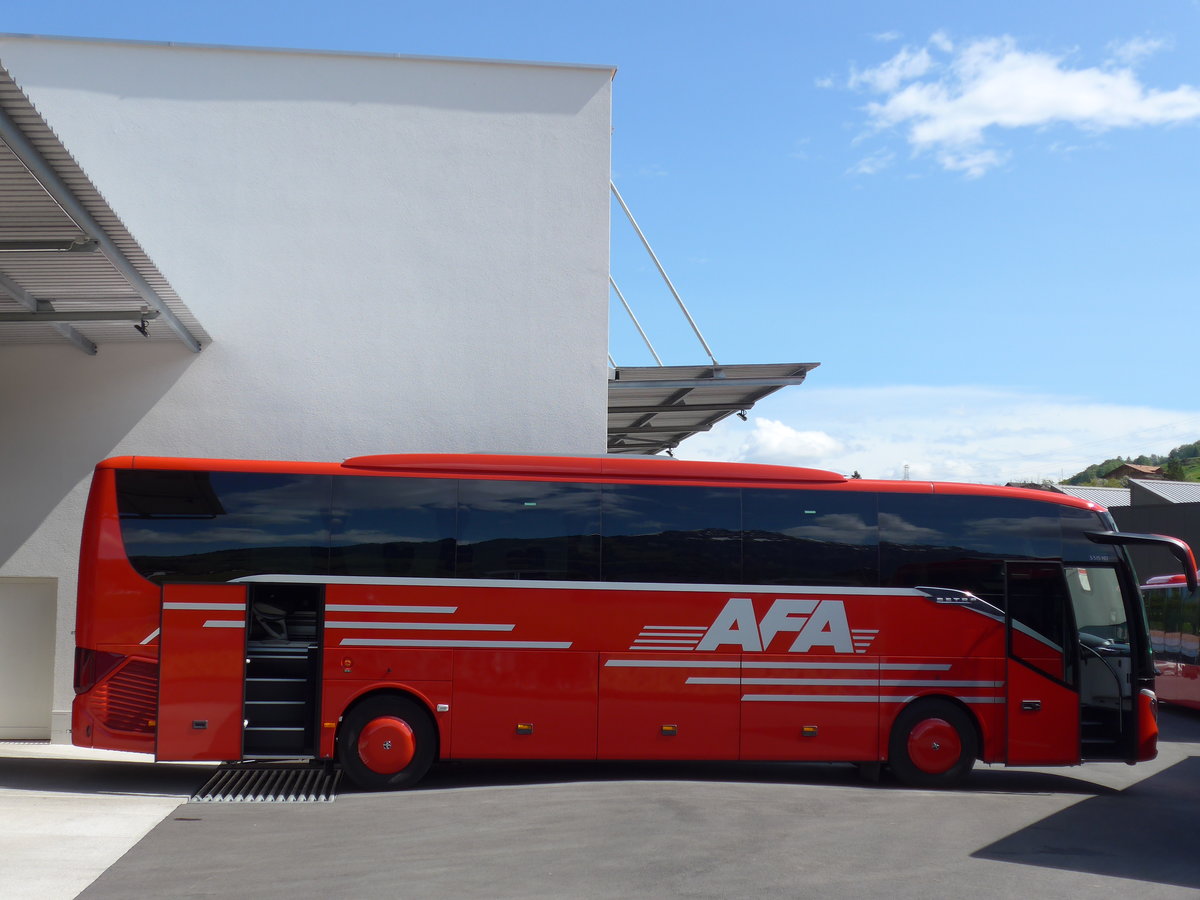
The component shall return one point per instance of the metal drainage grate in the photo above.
(274, 783)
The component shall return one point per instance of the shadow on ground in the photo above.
(491, 773)
(1146, 832)
(79, 776)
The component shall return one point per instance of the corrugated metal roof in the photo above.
(654, 408)
(1105, 496)
(1169, 491)
(70, 282)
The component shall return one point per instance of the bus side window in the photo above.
(809, 537)
(1155, 601)
(668, 533)
(218, 526)
(1189, 628)
(528, 530)
(960, 541)
(397, 527)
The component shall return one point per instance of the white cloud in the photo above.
(1133, 51)
(876, 162)
(904, 66)
(972, 434)
(951, 100)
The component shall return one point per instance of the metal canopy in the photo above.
(69, 270)
(654, 408)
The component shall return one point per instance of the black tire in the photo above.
(373, 772)
(933, 744)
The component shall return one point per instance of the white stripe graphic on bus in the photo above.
(764, 664)
(851, 698)
(420, 626)
(212, 607)
(364, 607)
(847, 682)
(496, 645)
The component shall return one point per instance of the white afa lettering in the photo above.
(735, 624)
(816, 623)
(826, 627)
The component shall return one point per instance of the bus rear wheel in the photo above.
(933, 744)
(387, 743)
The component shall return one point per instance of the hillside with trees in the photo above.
(1180, 464)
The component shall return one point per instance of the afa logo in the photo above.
(816, 624)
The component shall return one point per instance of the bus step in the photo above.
(252, 782)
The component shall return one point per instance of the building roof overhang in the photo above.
(651, 409)
(70, 272)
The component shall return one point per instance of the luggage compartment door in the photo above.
(201, 672)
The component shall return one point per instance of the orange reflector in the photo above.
(670, 730)
(808, 730)
(331, 724)
(524, 728)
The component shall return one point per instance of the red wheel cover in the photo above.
(386, 745)
(934, 746)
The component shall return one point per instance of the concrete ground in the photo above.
(612, 830)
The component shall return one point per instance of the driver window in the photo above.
(1037, 601)
(1099, 607)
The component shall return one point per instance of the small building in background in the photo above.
(1135, 472)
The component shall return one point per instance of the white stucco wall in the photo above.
(391, 254)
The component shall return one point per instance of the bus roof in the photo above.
(621, 468)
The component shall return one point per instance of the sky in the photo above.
(980, 219)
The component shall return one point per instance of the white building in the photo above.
(373, 254)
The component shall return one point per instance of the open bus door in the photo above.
(202, 647)
(1043, 709)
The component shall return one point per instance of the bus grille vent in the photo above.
(270, 783)
(127, 701)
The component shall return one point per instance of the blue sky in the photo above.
(980, 219)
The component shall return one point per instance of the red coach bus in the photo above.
(392, 611)
(1174, 615)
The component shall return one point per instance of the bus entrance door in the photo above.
(202, 662)
(1042, 704)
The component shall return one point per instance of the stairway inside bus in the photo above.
(283, 664)
(1106, 706)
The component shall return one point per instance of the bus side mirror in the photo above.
(1177, 548)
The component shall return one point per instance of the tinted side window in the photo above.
(217, 526)
(957, 541)
(528, 529)
(809, 537)
(399, 527)
(1037, 603)
(664, 533)
(1076, 547)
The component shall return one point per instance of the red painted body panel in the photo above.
(566, 674)
(1178, 683)
(643, 694)
(552, 692)
(774, 723)
(1048, 735)
(202, 672)
(1177, 652)
(499, 654)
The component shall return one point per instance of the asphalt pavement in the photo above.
(591, 830)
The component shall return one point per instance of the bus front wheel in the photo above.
(387, 743)
(933, 744)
